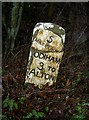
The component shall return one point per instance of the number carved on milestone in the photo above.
(41, 66)
(50, 39)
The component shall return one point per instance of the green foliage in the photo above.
(79, 108)
(87, 74)
(80, 112)
(10, 104)
(36, 114)
(4, 117)
(76, 81)
(78, 78)
(86, 104)
(21, 100)
(28, 116)
(46, 109)
(78, 117)
(2, 72)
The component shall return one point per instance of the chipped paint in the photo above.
(45, 54)
(47, 41)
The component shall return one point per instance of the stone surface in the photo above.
(45, 54)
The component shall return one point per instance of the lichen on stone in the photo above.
(45, 54)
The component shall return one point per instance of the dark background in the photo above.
(74, 70)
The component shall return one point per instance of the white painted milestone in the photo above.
(45, 54)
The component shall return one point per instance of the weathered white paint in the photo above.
(45, 54)
(40, 42)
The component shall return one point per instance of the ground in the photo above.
(67, 99)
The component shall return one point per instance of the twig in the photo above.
(75, 46)
(57, 91)
(12, 77)
(60, 12)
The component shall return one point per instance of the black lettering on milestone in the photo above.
(36, 54)
(50, 39)
(41, 66)
(58, 60)
(52, 59)
(49, 67)
(41, 55)
(47, 76)
(53, 69)
(53, 78)
(42, 75)
(32, 71)
(47, 57)
(37, 74)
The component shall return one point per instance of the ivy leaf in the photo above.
(29, 115)
(5, 102)
(34, 112)
(16, 106)
(21, 100)
(78, 117)
(46, 109)
(11, 104)
(41, 114)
